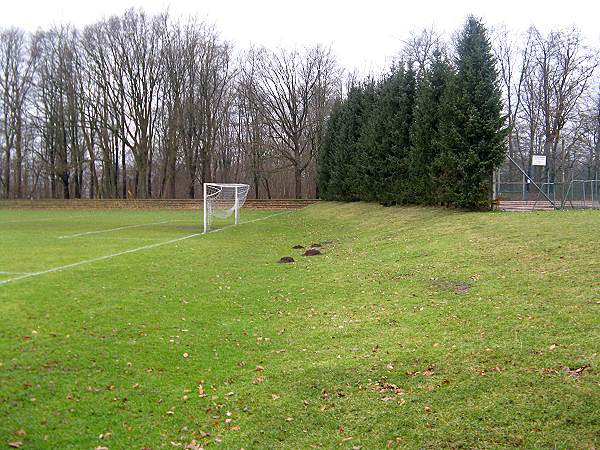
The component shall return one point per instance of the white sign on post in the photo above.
(538, 160)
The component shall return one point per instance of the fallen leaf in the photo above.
(258, 380)
(235, 428)
(552, 347)
(429, 371)
(289, 419)
(186, 355)
(170, 413)
(16, 444)
(193, 446)
(136, 385)
(259, 368)
(275, 397)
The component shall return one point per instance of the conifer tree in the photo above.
(326, 169)
(472, 133)
(425, 147)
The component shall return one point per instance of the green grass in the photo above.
(367, 346)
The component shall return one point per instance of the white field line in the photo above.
(125, 252)
(68, 236)
(13, 273)
(2, 222)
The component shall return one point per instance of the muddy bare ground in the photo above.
(286, 260)
(459, 287)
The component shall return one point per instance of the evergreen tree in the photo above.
(339, 164)
(326, 169)
(472, 134)
(385, 139)
(425, 147)
(398, 166)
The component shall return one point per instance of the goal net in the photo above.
(222, 200)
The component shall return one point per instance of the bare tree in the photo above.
(288, 87)
(420, 46)
(17, 64)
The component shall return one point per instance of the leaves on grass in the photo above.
(275, 396)
(258, 380)
(16, 444)
(429, 371)
(575, 373)
(193, 445)
(389, 391)
(259, 368)
(186, 355)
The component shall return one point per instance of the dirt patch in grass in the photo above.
(459, 287)
(286, 260)
(312, 252)
(298, 247)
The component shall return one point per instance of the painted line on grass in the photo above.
(86, 233)
(126, 252)
(2, 222)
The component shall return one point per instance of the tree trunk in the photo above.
(298, 182)
(7, 173)
(18, 158)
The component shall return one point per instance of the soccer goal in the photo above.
(222, 200)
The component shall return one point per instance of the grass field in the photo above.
(417, 327)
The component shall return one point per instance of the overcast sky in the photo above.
(364, 35)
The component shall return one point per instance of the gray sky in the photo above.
(364, 35)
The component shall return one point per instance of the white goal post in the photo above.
(223, 199)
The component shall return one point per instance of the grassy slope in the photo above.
(328, 331)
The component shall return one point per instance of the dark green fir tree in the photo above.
(472, 132)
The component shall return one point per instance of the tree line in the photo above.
(432, 137)
(147, 106)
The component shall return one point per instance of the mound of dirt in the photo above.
(315, 245)
(298, 247)
(286, 260)
(312, 252)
